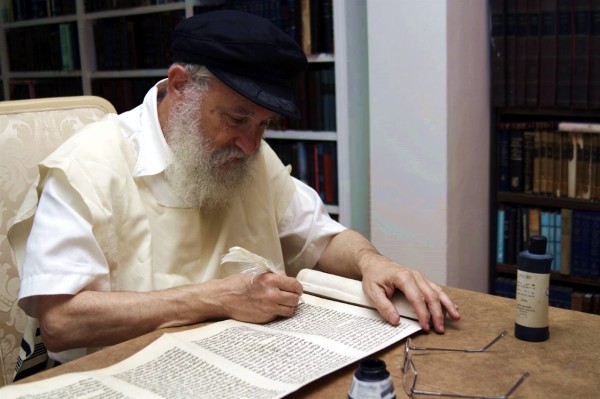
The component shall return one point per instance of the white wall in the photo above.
(429, 135)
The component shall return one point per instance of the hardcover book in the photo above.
(581, 53)
(532, 76)
(564, 53)
(548, 53)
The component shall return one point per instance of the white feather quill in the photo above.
(250, 262)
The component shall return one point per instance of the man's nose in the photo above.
(249, 141)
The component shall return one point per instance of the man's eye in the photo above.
(235, 120)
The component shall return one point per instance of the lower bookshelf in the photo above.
(573, 230)
(545, 179)
(567, 292)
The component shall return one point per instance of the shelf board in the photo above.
(125, 12)
(551, 113)
(300, 135)
(554, 277)
(131, 73)
(44, 74)
(332, 209)
(322, 57)
(546, 201)
(40, 21)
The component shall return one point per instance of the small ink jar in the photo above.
(371, 381)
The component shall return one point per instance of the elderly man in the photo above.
(135, 211)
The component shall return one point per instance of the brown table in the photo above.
(565, 366)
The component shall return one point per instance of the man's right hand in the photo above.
(259, 298)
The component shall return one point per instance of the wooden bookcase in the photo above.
(537, 83)
(85, 67)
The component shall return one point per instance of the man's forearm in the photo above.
(93, 318)
(347, 254)
(90, 319)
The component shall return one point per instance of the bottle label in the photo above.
(532, 299)
(383, 389)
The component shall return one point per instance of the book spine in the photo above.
(581, 53)
(565, 238)
(594, 68)
(545, 156)
(586, 183)
(306, 26)
(577, 243)
(594, 250)
(503, 159)
(534, 221)
(548, 37)
(579, 165)
(528, 160)
(564, 56)
(595, 168)
(303, 163)
(510, 235)
(500, 235)
(521, 38)
(516, 160)
(556, 241)
(566, 151)
(537, 162)
(546, 227)
(66, 46)
(557, 153)
(533, 53)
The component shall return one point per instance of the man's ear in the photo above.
(178, 77)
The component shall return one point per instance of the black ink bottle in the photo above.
(371, 381)
(533, 284)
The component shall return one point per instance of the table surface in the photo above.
(566, 365)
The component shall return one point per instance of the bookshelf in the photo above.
(545, 147)
(73, 47)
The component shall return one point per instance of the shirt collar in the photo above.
(146, 136)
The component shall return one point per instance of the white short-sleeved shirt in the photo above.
(62, 227)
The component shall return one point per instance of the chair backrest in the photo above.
(29, 131)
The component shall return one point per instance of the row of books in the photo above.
(310, 22)
(135, 42)
(315, 90)
(545, 53)
(313, 162)
(105, 5)
(44, 48)
(559, 296)
(573, 237)
(559, 160)
(315, 96)
(123, 94)
(21, 89)
(19, 10)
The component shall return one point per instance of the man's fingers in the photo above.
(385, 307)
(281, 294)
(428, 299)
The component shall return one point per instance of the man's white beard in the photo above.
(199, 175)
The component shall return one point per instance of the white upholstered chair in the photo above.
(29, 131)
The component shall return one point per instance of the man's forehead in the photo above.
(235, 102)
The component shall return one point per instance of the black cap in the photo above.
(537, 244)
(247, 52)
